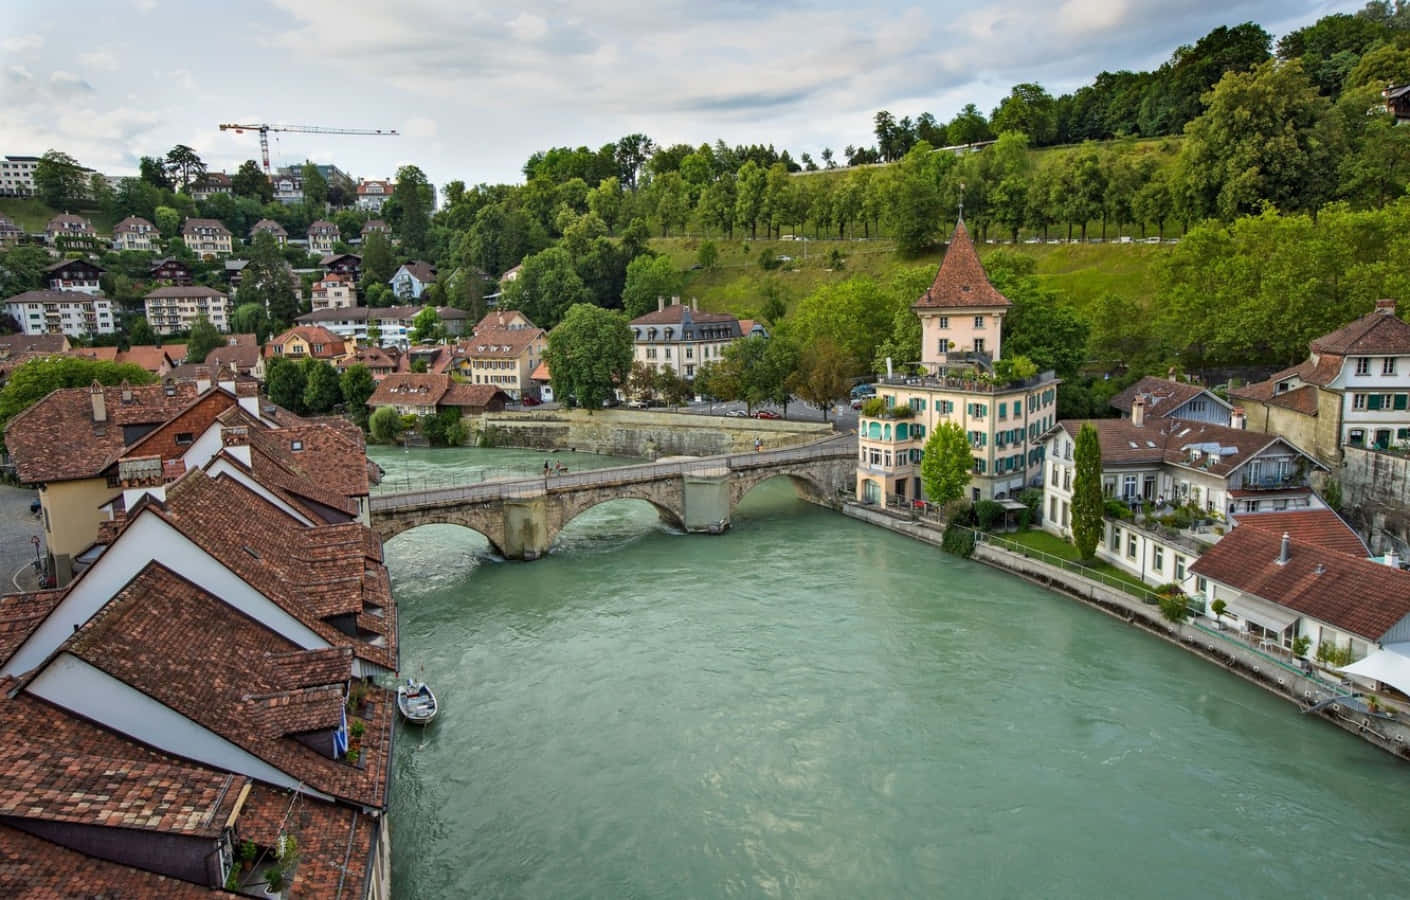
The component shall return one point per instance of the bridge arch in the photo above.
(805, 484)
(668, 503)
(391, 526)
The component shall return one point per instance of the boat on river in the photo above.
(416, 702)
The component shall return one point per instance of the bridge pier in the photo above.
(707, 502)
(525, 528)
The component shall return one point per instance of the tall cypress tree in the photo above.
(1087, 503)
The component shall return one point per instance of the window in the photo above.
(1201, 584)
(1388, 366)
(1115, 539)
(1158, 558)
(979, 345)
(184, 438)
(1179, 568)
(1358, 401)
(1130, 546)
(1363, 365)
(978, 321)
(296, 445)
(1052, 508)
(944, 323)
(1356, 437)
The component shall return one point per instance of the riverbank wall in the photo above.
(1207, 642)
(649, 434)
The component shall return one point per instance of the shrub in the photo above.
(1115, 509)
(959, 541)
(901, 412)
(1301, 644)
(989, 513)
(1333, 655)
(874, 407)
(1169, 589)
(1218, 607)
(963, 514)
(1175, 608)
(1033, 499)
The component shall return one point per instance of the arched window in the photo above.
(886, 433)
(875, 431)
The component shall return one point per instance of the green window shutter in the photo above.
(1400, 401)
(1373, 401)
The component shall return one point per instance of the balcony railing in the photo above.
(973, 384)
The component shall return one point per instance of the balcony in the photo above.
(979, 383)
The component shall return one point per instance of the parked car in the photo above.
(737, 414)
(857, 403)
(530, 401)
(864, 390)
(767, 414)
(636, 404)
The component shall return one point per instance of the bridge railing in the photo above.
(536, 485)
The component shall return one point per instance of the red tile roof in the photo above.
(540, 372)
(1172, 441)
(1318, 527)
(314, 335)
(474, 397)
(150, 357)
(498, 343)
(316, 574)
(677, 313)
(20, 614)
(32, 867)
(1356, 595)
(961, 282)
(500, 318)
(1378, 332)
(216, 227)
(199, 656)
(57, 439)
(1162, 395)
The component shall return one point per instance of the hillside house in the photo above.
(207, 238)
(170, 270)
(1166, 398)
(271, 228)
(70, 232)
(10, 233)
(178, 307)
(78, 275)
(322, 235)
(371, 195)
(135, 233)
(334, 292)
(426, 394)
(412, 278)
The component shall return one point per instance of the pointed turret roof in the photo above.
(961, 282)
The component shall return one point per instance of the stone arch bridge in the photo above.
(522, 517)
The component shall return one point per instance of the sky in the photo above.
(475, 88)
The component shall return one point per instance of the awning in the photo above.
(1261, 612)
(1386, 666)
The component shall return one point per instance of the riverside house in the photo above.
(428, 393)
(1181, 485)
(1352, 391)
(503, 357)
(961, 317)
(1354, 612)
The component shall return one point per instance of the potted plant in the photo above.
(286, 856)
(1219, 607)
(1301, 645)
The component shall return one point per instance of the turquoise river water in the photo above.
(807, 706)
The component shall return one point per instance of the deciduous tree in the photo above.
(58, 179)
(945, 467)
(649, 277)
(184, 167)
(823, 375)
(202, 340)
(588, 354)
(322, 391)
(548, 284)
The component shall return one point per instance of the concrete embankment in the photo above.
(1206, 641)
(642, 433)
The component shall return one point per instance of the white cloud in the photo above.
(144, 6)
(1078, 17)
(419, 127)
(527, 27)
(102, 60)
(22, 43)
(67, 84)
(18, 74)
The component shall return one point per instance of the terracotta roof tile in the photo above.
(1162, 395)
(678, 313)
(1319, 527)
(32, 867)
(961, 282)
(56, 439)
(1379, 331)
(197, 655)
(1172, 441)
(20, 614)
(217, 227)
(500, 318)
(1356, 595)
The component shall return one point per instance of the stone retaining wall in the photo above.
(643, 433)
(1376, 488)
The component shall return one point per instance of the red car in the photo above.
(529, 401)
(765, 414)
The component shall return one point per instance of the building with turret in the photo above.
(958, 379)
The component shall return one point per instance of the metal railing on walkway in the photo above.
(837, 447)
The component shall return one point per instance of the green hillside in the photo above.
(31, 214)
(1081, 273)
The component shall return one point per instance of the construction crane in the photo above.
(264, 129)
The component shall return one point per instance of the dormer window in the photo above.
(1363, 365)
(1388, 366)
(184, 438)
(296, 446)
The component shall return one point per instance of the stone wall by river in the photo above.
(641, 433)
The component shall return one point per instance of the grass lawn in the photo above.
(1044, 542)
(1080, 273)
(31, 214)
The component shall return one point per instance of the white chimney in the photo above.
(1385, 307)
(660, 303)
(1138, 411)
(226, 379)
(888, 367)
(1392, 559)
(1285, 552)
(247, 393)
(695, 304)
(203, 380)
(100, 403)
(1237, 419)
(236, 440)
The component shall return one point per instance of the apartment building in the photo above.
(135, 233)
(174, 309)
(62, 312)
(334, 292)
(17, 176)
(372, 194)
(961, 316)
(503, 357)
(207, 238)
(680, 338)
